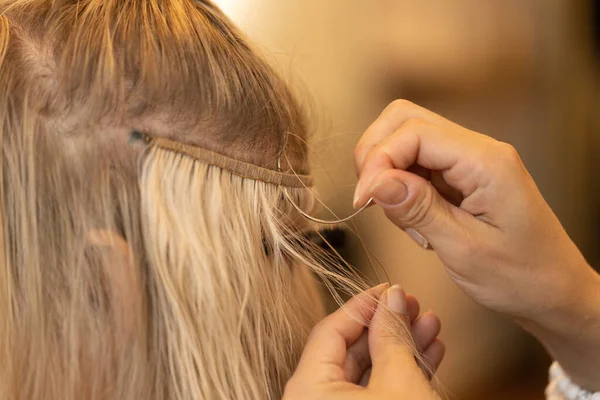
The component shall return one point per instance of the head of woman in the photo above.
(130, 270)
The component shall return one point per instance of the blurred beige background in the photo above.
(519, 70)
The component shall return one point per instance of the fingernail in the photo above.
(379, 290)
(356, 195)
(396, 299)
(389, 192)
(417, 237)
(380, 287)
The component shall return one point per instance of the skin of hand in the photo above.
(473, 200)
(340, 350)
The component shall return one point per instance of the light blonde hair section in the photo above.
(229, 324)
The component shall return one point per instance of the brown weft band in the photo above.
(237, 167)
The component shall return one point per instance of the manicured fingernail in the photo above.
(417, 237)
(396, 299)
(389, 192)
(381, 286)
(356, 196)
(380, 289)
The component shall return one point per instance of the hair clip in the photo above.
(137, 136)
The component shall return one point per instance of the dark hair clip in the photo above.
(136, 136)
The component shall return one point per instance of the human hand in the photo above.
(472, 199)
(340, 351)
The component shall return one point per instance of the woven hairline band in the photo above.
(246, 170)
(236, 167)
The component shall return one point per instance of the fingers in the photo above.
(391, 347)
(410, 201)
(358, 359)
(450, 194)
(415, 142)
(430, 141)
(434, 355)
(394, 116)
(413, 307)
(324, 355)
(425, 330)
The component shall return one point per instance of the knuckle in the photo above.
(418, 212)
(509, 153)
(399, 105)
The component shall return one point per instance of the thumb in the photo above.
(412, 203)
(391, 345)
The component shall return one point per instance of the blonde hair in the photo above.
(136, 272)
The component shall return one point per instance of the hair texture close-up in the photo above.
(131, 270)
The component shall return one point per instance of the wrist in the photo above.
(572, 308)
(570, 329)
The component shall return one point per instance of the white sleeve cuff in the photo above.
(562, 388)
